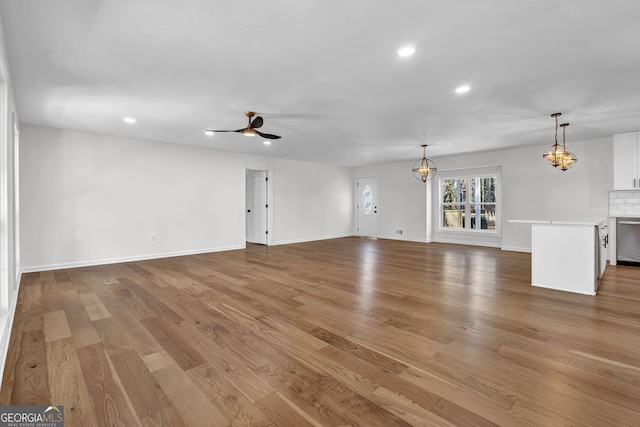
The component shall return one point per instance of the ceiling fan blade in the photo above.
(212, 130)
(257, 122)
(268, 135)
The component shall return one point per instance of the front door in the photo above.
(367, 205)
(257, 206)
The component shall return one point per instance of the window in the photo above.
(367, 199)
(470, 202)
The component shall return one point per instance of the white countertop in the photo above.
(592, 222)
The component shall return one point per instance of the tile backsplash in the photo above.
(624, 203)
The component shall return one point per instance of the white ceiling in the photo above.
(325, 74)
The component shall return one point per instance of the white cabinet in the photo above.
(626, 161)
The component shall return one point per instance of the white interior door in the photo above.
(257, 206)
(367, 205)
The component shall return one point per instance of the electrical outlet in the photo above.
(399, 231)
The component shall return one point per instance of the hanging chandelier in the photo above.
(424, 169)
(558, 155)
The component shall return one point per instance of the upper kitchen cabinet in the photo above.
(626, 162)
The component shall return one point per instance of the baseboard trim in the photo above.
(105, 261)
(312, 239)
(468, 243)
(564, 290)
(516, 249)
(94, 262)
(402, 239)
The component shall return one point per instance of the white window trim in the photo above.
(480, 172)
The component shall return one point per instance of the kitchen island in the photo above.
(567, 254)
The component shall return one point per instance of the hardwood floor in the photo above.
(338, 332)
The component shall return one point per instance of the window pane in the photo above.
(367, 199)
(453, 216)
(483, 217)
(454, 190)
(483, 190)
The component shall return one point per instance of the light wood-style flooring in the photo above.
(340, 332)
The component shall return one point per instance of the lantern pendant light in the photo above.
(424, 169)
(569, 159)
(558, 155)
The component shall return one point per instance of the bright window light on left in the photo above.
(129, 120)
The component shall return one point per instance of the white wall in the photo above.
(401, 201)
(90, 199)
(530, 189)
(312, 201)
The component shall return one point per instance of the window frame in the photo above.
(468, 204)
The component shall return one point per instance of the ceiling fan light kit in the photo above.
(557, 155)
(424, 169)
(250, 130)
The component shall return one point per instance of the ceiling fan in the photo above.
(250, 130)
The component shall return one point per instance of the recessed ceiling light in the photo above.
(209, 132)
(463, 89)
(407, 51)
(266, 142)
(129, 120)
